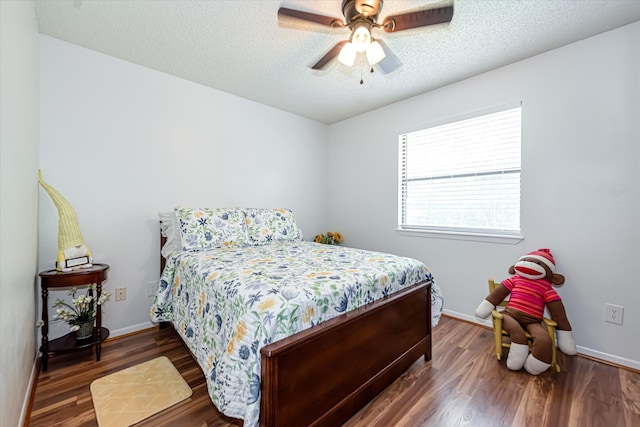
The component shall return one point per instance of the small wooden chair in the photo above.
(498, 332)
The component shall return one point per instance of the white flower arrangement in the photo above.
(82, 309)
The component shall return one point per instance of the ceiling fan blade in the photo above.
(284, 13)
(421, 18)
(333, 53)
(390, 62)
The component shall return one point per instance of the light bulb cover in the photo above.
(361, 38)
(375, 53)
(347, 54)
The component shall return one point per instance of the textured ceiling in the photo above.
(240, 47)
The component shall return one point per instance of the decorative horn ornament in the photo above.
(72, 252)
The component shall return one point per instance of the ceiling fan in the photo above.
(361, 17)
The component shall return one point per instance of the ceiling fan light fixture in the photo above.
(347, 54)
(361, 37)
(375, 53)
(361, 17)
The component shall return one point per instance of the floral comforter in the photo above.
(227, 303)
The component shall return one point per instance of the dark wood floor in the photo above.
(464, 385)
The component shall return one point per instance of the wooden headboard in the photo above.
(163, 261)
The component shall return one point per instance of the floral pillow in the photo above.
(268, 225)
(209, 228)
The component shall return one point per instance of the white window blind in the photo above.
(463, 176)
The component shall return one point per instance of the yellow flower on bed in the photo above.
(266, 304)
(198, 214)
(261, 260)
(230, 347)
(176, 284)
(201, 305)
(307, 315)
(319, 273)
(213, 276)
(241, 330)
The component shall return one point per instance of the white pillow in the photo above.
(170, 229)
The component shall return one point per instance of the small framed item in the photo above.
(74, 263)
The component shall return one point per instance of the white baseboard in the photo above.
(131, 329)
(27, 396)
(472, 319)
(622, 361)
(612, 358)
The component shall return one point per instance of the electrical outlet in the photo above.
(613, 313)
(152, 287)
(121, 294)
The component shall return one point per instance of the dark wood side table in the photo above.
(71, 279)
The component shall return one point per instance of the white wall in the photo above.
(18, 204)
(122, 142)
(580, 183)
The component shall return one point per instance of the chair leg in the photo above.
(497, 336)
(554, 353)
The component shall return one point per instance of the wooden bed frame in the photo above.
(324, 375)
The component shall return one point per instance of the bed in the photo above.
(289, 332)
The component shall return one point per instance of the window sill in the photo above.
(460, 235)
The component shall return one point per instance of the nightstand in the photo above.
(71, 279)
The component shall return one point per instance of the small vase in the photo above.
(86, 330)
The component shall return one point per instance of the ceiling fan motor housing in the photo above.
(357, 9)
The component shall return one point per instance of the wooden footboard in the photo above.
(324, 375)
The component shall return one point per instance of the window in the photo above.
(463, 177)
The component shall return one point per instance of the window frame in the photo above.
(457, 233)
